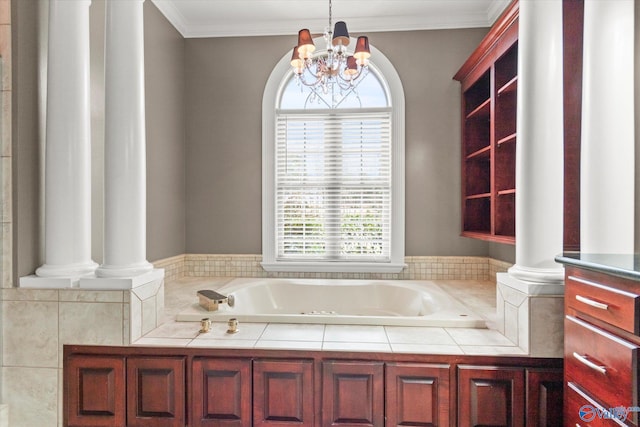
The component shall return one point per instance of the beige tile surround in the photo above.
(418, 268)
(37, 323)
(6, 215)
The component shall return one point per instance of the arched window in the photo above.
(333, 173)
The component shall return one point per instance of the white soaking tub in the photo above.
(333, 301)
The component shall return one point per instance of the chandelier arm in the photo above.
(352, 78)
(309, 84)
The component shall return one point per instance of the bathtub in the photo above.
(331, 301)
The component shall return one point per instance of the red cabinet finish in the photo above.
(283, 393)
(220, 392)
(490, 396)
(601, 343)
(417, 394)
(94, 391)
(544, 397)
(145, 386)
(353, 393)
(156, 392)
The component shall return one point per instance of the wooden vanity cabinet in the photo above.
(283, 393)
(156, 394)
(352, 393)
(491, 396)
(544, 397)
(220, 388)
(145, 386)
(417, 394)
(94, 391)
(601, 344)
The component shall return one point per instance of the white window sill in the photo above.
(332, 267)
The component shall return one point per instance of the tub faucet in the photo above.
(211, 300)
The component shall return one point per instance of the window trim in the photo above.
(273, 90)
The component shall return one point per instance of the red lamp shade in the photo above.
(352, 67)
(362, 49)
(296, 62)
(305, 44)
(340, 34)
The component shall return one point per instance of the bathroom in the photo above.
(203, 175)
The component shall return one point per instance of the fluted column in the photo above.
(125, 163)
(607, 147)
(539, 151)
(68, 143)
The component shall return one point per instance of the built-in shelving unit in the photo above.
(489, 81)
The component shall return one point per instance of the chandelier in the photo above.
(334, 71)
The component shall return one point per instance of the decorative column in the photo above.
(532, 289)
(539, 150)
(125, 162)
(607, 150)
(68, 144)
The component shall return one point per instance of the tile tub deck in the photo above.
(480, 297)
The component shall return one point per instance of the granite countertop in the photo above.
(623, 265)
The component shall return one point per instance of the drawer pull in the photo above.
(592, 303)
(589, 363)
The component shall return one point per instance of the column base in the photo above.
(130, 270)
(57, 276)
(114, 283)
(531, 315)
(537, 276)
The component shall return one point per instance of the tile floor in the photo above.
(180, 294)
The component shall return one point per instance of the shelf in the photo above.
(484, 152)
(489, 123)
(508, 87)
(507, 139)
(485, 235)
(482, 110)
(479, 196)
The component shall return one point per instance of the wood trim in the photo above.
(503, 23)
(572, 29)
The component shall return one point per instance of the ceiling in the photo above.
(228, 18)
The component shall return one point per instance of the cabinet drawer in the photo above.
(582, 411)
(589, 295)
(602, 364)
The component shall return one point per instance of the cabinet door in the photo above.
(283, 393)
(417, 395)
(156, 392)
(94, 388)
(221, 392)
(544, 397)
(353, 393)
(490, 396)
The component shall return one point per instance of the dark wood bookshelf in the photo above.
(489, 81)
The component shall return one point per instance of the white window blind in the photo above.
(333, 186)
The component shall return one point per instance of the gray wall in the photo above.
(225, 80)
(165, 115)
(25, 134)
(204, 100)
